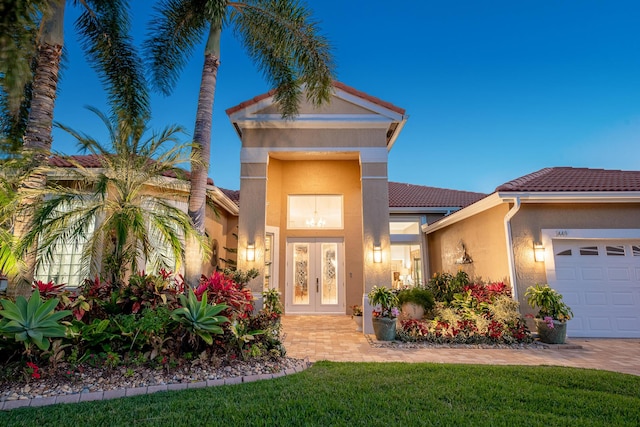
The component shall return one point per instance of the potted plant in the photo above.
(356, 315)
(385, 312)
(415, 302)
(553, 313)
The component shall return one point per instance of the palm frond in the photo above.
(286, 45)
(175, 29)
(109, 46)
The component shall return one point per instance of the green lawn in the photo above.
(375, 394)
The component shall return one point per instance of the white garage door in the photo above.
(600, 281)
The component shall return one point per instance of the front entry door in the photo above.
(315, 276)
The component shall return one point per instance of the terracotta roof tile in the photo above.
(409, 195)
(560, 179)
(233, 195)
(93, 161)
(336, 84)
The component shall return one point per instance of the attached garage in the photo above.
(600, 281)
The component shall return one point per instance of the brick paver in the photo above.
(335, 338)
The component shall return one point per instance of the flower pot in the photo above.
(384, 328)
(359, 321)
(412, 310)
(555, 335)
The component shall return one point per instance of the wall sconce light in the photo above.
(377, 254)
(538, 252)
(251, 252)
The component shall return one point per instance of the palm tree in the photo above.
(279, 36)
(31, 38)
(120, 213)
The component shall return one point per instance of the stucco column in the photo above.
(252, 219)
(375, 227)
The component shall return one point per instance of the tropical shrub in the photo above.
(199, 318)
(417, 295)
(222, 289)
(445, 285)
(33, 321)
(477, 314)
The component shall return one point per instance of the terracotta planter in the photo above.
(412, 310)
(384, 328)
(555, 335)
(359, 321)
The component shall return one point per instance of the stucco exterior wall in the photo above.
(320, 177)
(483, 237)
(527, 224)
(326, 138)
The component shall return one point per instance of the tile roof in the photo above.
(233, 195)
(560, 179)
(415, 196)
(93, 161)
(336, 85)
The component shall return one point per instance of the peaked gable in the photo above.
(348, 108)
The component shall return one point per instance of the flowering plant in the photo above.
(385, 302)
(549, 303)
(357, 310)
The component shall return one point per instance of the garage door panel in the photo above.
(567, 273)
(599, 324)
(571, 298)
(623, 298)
(628, 323)
(595, 298)
(603, 290)
(619, 273)
(592, 273)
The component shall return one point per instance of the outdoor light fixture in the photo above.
(251, 252)
(377, 254)
(538, 252)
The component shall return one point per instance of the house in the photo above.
(317, 216)
(576, 229)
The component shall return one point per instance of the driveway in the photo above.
(335, 338)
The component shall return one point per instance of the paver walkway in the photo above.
(335, 338)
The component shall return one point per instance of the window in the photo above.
(404, 227)
(566, 252)
(615, 250)
(65, 266)
(268, 260)
(161, 254)
(636, 250)
(315, 212)
(589, 250)
(406, 265)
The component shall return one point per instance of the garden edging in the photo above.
(137, 391)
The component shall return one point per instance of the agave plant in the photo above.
(200, 318)
(32, 322)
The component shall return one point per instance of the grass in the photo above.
(375, 394)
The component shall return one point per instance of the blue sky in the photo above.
(493, 89)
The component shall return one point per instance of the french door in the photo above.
(315, 276)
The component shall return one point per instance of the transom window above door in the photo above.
(315, 211)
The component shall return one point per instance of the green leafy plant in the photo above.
(244, 337)
(445, 285)
(200, 318)
(419, 296)
(271, 301)
(385, 302)
(32, 322)
(549, 303)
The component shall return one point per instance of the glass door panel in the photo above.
(329, 277)
(315, 276)
(301, 273)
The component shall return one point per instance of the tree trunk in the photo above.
(37, 137)
(200, 156)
